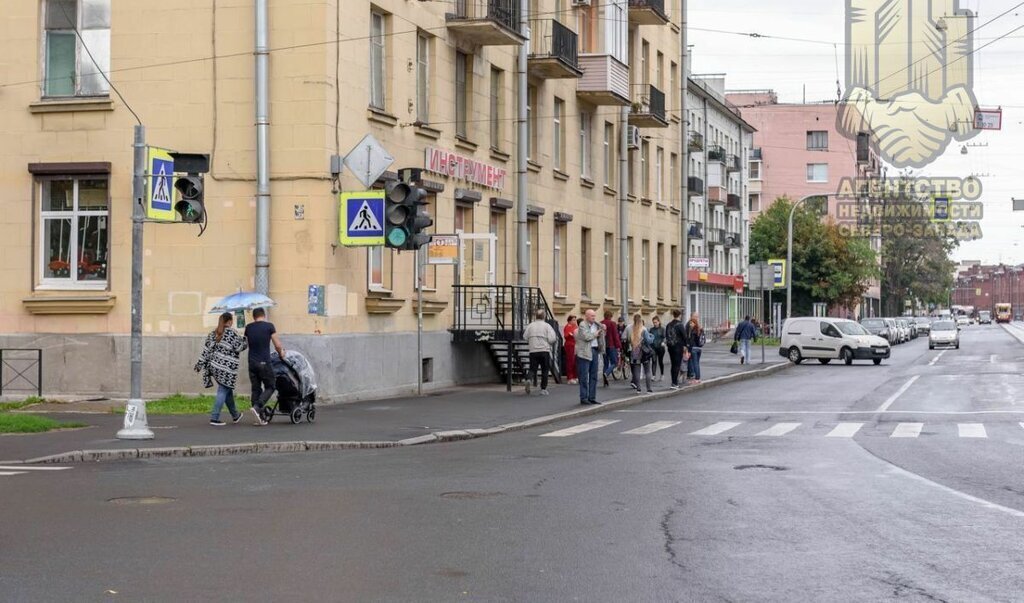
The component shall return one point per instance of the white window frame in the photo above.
(609, 134)
(462, 66)
(754, 169)
(423, 43)
(659, 174)
(586, 152)
(609, 258)
(378, 61)
(645, 169)
(814, 139)
(673, 176)
(558, 135)
(645, 273)
(558, 281)
(585, 248)
(71, 282)
(95, 38)
(812, 173)
(376, 254)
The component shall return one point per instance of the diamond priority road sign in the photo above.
(368, 160)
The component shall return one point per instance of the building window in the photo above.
(755, 170)
(585, 263)
(609, 159)
(463, 65)
(378, 60)
(645, 59)
(817, 172)
(645, 269)
(558, 135)
(497, 228)
(609, 259)
(659, 175)
(69, 68)
(74, 218)
(659, 71)
(673, 272)
(755, 202)
(673, 84)
(464, 218)
(631, 171)
(533, 243)
(673, 176)
(659, 274)
(585, 150)
(817, 140)
(497, 95)
(628, 263)
(645, 169)
(423, 78)
(531, 125)
(560, 259)
(586, 25)
(378, 269)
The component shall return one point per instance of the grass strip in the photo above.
(180, 404)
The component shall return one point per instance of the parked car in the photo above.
(877, 326)
(827, 339)
(945, 333)
(912, 325)
(924, 324)
(902, 332)
(895, 332)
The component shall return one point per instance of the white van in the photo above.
(830, 338)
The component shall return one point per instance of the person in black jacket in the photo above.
(695, 339)
(675, 341)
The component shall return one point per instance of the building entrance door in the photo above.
(477, 301)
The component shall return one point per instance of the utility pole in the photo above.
(262, 276)
(624, 176)
(136, 426)
(522, 254)
(684, 153)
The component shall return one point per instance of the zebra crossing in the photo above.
(13, 470)
(759, 429)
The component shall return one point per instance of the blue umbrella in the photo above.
(243, 300)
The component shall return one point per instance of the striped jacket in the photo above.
(219, 359)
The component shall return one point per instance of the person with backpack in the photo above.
(676, 345)
(695, 341)
(640, 352)
(658, 362)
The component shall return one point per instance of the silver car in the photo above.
(944, 333)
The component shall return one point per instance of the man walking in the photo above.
(539, 338)
(745, 333)
(259, 334)
(676, 344)
(613, 345)
(587, 356)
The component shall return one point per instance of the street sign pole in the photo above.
(419, 323)
(763, 280)
(136, 425)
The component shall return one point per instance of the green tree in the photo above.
(827, 266)
(916, 266)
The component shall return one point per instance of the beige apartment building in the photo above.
(434, 82)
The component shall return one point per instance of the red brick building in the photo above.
(985, 286)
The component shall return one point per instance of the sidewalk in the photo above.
(453, 415)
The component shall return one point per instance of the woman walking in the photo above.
(695, 340)
(640, 352)
(569, 344)
(658, 362)
(219, 362)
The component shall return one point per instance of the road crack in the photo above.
(670, 539)
(902, 587)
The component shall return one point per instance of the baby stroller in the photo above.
(296, 388)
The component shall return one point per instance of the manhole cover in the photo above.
(470, 495)
(141, 500)
(760, 468)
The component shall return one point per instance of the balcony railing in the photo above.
(732, 203)
(647, 12)
(553, 50)
(732, 163)
(733, 240)
(648, 107)
(696, 230)
(486, 22)
(605, 80)
(716, 195)
(716, 236)
(756, 155)
(696, 141)
(695, 186)
(716, 153)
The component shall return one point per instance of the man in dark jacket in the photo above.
(613, 345)
(745, 333)
(675, 342)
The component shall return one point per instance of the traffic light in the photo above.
(190, 198)
(405, 217)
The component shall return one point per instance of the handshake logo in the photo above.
(909, 77)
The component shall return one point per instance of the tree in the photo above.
(828, 266)
(916, 266)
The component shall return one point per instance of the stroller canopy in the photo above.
(300, 368)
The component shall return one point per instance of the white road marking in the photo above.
(779, 429)
(30, 468)
(653, 427)
(971, 430)
(885, 405)
(845, 430)
(992, 358)
(974, 499)
(936, 359)
(907, 430)
(11, 473)
(571, 431)
(831, 412)
(716, 429)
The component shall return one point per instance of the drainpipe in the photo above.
(684, 153)
(262, 151)
(624, 177)
(522, 253)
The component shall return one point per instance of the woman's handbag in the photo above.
(735, 348)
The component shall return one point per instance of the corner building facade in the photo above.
(434, 82)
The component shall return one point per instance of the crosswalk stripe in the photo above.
(907, 430)
(779, 429)
(653, 427)
(571, 431)
(11, 472)
(845, 430)
(716, 429)
(23, 468)
(972, 430)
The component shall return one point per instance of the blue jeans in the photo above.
(693, 365)
(587, 372)
(225, 395)
(745, 350)
(611, 360)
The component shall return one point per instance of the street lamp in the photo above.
(789, 248)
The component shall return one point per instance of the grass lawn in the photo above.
(6, 406)
(180, 404)
(19, 423)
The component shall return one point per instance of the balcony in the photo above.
(696, 231)
(733, 240)
(716, 236)
(716, 153)
(695, 186)
(486, 22)
(732, 163)
(647, 12)
(553, 50)
(696, 141)
(732, 203)
(756, 155)
(716, 195)
(648, 107)
(605, 80)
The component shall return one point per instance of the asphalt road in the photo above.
(825, 483)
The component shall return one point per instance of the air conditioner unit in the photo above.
(581, 2)
(633, 137)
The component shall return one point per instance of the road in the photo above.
(828, 483)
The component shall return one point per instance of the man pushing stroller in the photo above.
(260, 334)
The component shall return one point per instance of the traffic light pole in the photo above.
(419, 324)
(136, 426)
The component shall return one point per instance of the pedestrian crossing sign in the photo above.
(159, 185)
(361, 219)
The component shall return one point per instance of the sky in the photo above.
(807, 67)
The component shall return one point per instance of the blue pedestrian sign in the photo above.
(361, 219)
(160, 176)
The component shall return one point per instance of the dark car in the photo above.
(877, 326)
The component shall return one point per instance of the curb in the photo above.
(456, 435)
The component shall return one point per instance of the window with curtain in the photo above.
(378, 72)
(609, 154)
(423, 77)
(73, 65)
(585, 150)
(74, 227)
(558, 135)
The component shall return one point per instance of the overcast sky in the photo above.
(789, 67)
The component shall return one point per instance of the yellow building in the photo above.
(434, 82)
